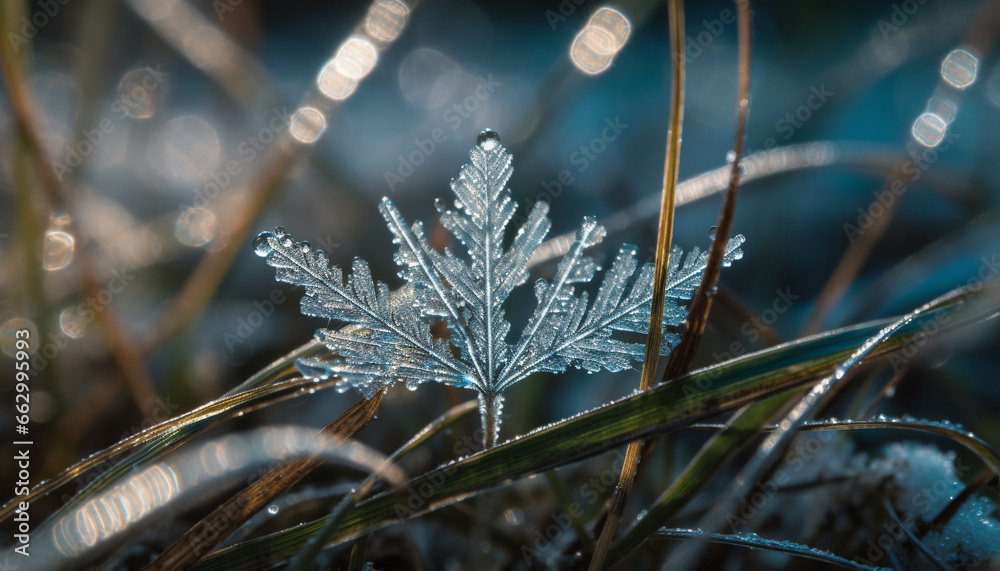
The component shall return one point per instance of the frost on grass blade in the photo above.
(389, 340)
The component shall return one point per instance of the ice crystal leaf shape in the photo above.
(389, 337)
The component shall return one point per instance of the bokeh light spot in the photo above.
(307, 125)
(959, 68)
(195, 227)
(57, 250)
(386, 19)
(929, 129)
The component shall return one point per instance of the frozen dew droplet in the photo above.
(57, 250)
(272, 509)
(488, 140)
(730, 157)
(439, 205)
(261, 246)
(712, 232)
(307, 125)
(959, 68)
(929, 129)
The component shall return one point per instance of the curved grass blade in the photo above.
(264, 388)
(818, 395)
(662, 409)
(137, 503)
(741, 429)
(754, 541)
(955, 432)
(234, 512)
(307, 556)
(688, 483)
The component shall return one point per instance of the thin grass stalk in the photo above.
(664, 235)
(701, 303)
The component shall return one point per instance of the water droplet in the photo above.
(513, 516)
(57, 250)
(712, 232)
(272, 509)
(261, 246)
(488, 140)
(439, 205)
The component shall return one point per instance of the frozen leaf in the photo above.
(389, 339)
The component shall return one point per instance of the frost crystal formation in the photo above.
(389, 337)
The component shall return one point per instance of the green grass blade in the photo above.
(264, 388)
(696, 396)
(754, 541)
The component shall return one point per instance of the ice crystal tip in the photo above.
(488, 140)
